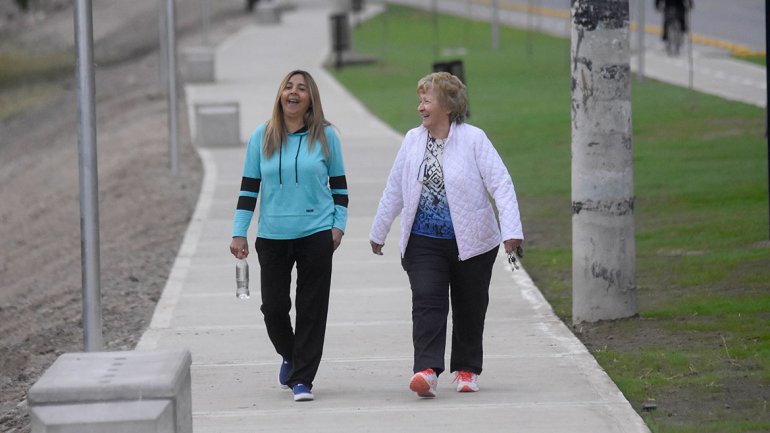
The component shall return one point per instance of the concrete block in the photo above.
(198, 64)
(217, 124)
(149, 416)
(107, 380)
(266, 13)
(285, 5)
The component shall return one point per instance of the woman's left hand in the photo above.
(336, 237)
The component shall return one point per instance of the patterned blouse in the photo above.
(433, 218)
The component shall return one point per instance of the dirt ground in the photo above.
(143, 209)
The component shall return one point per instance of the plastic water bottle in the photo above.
(242, 279)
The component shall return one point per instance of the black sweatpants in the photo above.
(437, 276)
(313, 257)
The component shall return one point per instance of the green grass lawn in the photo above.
(701, 344)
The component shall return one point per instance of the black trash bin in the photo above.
(340, 36)
(454, 67)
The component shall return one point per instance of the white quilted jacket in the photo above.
(472, 167)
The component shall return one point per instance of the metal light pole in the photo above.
(640, 37)
(690, 64)
(434, 8)
(162, 43)
(89, 191)
(171, 84)
(530, 25)
(205, 21)
(767, 117)
(495, 25)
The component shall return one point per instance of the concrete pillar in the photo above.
(603, 244)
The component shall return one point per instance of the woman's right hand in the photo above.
(239, 247)
(376, 248)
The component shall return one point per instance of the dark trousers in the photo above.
(438, 276)
(678, 12)
(313, 257)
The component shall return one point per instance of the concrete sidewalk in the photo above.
(538, 377)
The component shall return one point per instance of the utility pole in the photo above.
(89, 190)
(603, 239)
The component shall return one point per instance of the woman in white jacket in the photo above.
(440, 184)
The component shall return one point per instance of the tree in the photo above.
(603, 238)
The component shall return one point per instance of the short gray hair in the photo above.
(451, 93)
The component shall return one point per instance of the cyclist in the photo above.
(681, 7)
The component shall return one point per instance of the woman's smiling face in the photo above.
(295, 99)
(434, 116)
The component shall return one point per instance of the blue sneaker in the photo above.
(302, 392)
(283, 375)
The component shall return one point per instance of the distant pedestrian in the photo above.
(294, 165)
(250, 4)
(679, 9)
(439, 184)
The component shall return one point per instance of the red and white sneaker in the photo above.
(424, 383)
(466, 381)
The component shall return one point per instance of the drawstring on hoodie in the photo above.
(296, 158)
(280, 164)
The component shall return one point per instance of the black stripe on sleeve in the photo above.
(247, 203)
(340, 199)
(250, 184)
(338, 182)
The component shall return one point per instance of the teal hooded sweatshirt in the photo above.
(302, 191)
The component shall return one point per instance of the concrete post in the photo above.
(603, 244)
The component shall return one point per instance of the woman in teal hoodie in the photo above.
(294, 161)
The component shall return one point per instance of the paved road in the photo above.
(736, 22)
(538, 377)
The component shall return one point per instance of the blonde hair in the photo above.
(275, 132)
(451, 93)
